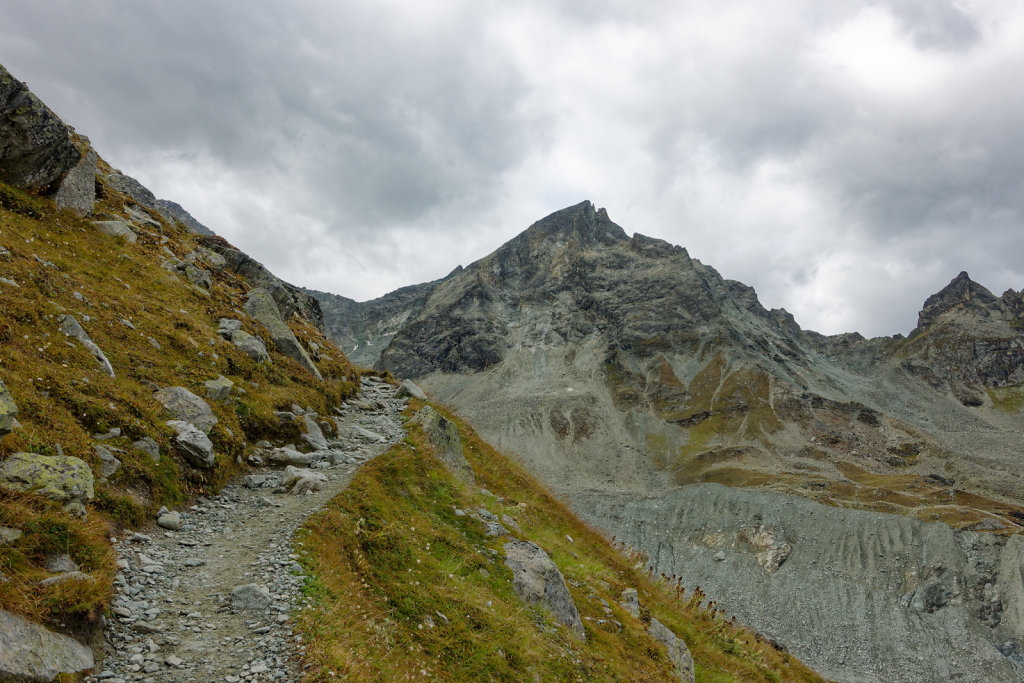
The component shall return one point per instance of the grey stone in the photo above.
(630, 601)
(65, 577)
(116, 229)
(148, 446)
(289, 456)
(226, 327)
(410, 388)
(170, 520)
(262, 307)
(8, 410)
(251, 596)
(131, 188)
(537, 581)
(174, 213)
(198, 276)
(30, 652)
(77, 192)
(62, 478)
(70, 327)
(109, 434)
(36, 149)
(9, 534)
(182, 404)
(444, 437)
(108, 463)
(313, 435)
(193, 444)
(250, 346)
(678, 653)
(60, 563)
(218, 389)
(300, 481)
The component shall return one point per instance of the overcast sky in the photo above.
(846, 159)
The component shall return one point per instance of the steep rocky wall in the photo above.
(857, 595)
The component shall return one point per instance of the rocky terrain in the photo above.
(209, 595)
(618, 367)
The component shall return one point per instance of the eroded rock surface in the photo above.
(444, 437)
(30, 652)
(62, 478)
(537, 581)
(262, 307)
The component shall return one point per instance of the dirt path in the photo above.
(180, 614)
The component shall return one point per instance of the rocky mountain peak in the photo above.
(961, 290)
(582, 223)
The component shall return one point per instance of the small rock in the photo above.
(170, 520)
(630, 601)
(108, 463)
(149, 447)
(219, 389)
(251, 596)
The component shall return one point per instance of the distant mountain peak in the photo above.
(584, 222)
(961, 290)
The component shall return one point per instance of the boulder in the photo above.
(36, 149)
(537, 581)
(149, 447)
(218, 389)
(251, 596)
(313, 435)
(288, 456)
(630, 601)
(8, 410)
(444, 437)
(299, 480)
(77, 192)
(227, 327)
(262, 307)
(131, 188)
(250, 346)
(170, 520)
(193, 444)
(62, 478)
(70, 327)
(410, 388)
(182, 404)
(678, 653)
(116, 229)
(30, 652)
(109, 464)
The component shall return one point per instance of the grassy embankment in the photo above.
(157, 331)
(389, 556)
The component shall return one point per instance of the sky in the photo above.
(846, 159)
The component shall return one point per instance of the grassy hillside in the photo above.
(157, 330)
(403, 587)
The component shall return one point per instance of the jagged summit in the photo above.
(584, 223)
(961, 291)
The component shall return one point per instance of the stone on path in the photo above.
(313, 435)
(251, 596)
(182, 404)
(410, 388)
(30, 652)
(170, 520)
(537, 581)
(298, 480)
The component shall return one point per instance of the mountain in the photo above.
(631, 378)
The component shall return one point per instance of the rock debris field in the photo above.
(211, 601)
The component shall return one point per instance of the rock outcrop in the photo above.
(262, 306)
(30, 652)
(193, 444)
(182, 404)
(77, 191)
(63, 478)
(8, 411)
(36, 148)
(537, 581)
(444, 437)
(678, 653)
(71, 328)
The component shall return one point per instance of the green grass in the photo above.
(390, 551)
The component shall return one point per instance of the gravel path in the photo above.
(211, 601)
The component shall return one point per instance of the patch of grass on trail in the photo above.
(402, 587)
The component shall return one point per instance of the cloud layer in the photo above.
(846, 159)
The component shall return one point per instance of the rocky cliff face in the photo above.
(616, 365)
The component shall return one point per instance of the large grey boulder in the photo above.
(116, 229)
(313, 435)
(8, 409)
(63, 478)
(193, 444)
(678, 653)
(300, 480)
(444, 437)
(262, 307)
(218, 389)
(537, 581)
(131, 188)
(77, 192)
(36, 150)
(30, 652)
(70, 327)
(410, 388)
(182, 404)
